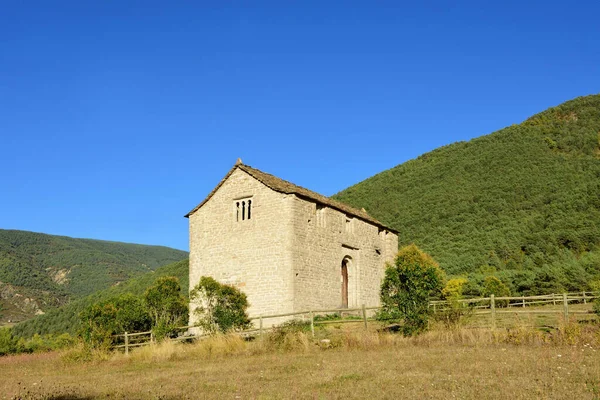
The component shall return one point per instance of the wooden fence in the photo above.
(495, 306)
(492, 306)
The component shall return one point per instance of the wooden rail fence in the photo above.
(480, 306)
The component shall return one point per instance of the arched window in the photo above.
(345, 263)
(243, 209)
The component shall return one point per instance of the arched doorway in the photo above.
(345, 265)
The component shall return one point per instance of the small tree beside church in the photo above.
(167, 307)
(220, 308)
(406, 288)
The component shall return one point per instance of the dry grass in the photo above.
(463, 363)
(518, 316)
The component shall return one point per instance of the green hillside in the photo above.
(522, 203)
(50, 270)
(66, 318)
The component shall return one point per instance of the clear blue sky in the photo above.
(118, 117)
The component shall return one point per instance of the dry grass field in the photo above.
(519, 363)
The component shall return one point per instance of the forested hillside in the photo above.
(522, 203)
(39, 271)
(66, 318)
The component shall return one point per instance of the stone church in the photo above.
(288, 248)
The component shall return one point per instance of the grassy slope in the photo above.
(523, 201)
(29, 261)
(66, 318)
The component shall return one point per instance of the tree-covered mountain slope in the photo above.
(522, 203)
(66, 318)
(39, 271)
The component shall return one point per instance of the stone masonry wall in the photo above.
(253, 255)
(322, 238)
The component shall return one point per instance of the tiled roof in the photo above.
(282, 186)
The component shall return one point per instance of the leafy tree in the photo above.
(453, 311)
(98, 324)
(100, 321)
(406, 288)
(493, 285)
(132, 315)
(219, 307)
(8, 342)
(167, 307)
(454, 288)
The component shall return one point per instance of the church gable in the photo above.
(283, 186)
(236, 199)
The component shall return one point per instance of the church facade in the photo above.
(288, 248)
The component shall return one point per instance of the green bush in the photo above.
(406, 288)
(495, 286)
(454, 310)
(98, 325)
(162, 309)
(8, 343)
(454, 288)
(220, 308)
(167, 307)
(100, 321)
(132, 315)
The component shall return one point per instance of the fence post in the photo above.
(553, 299)
(260, 325)
(126, 343)
(364, 313)
(566, 307)
(584, 302)
(493, 309)
(312, 324)
(523, 301)
(151, 337)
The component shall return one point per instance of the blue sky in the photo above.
(118, 117)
